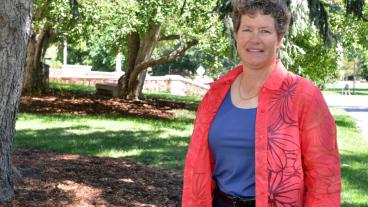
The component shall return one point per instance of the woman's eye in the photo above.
(265, 31)
(246, 30)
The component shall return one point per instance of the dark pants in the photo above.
(219, 202)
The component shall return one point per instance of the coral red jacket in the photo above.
(297, 161)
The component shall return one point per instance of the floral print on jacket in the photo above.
(297, 161)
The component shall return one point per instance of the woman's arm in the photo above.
(320, 156)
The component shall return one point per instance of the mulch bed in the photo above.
(52, 179)
(83, 104)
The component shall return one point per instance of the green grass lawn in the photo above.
(354, 161)
(72, 87)
(169, 97)
(161, 143)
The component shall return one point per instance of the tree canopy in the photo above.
(321, 33)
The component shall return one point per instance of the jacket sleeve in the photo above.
(320, 155)
(188, 197)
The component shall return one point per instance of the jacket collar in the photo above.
(273, 81)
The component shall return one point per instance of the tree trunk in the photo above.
(139, 89)
(15, 22)
(133, 48)
(129, 84)
(36, 74)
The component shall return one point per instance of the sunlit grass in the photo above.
(169, 97)
(337, 91)
(159, 143)
(76, 87)
(354, 161)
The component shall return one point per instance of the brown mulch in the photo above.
(52, 179)
(83, 104)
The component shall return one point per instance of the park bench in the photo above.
(109, 89)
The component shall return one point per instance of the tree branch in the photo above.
(170, 37)
(166, 59)
(74, 6)
(183, 7)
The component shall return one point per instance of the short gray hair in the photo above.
(276, 8)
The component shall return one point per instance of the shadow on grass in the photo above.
(354, 171)
(146, 146)
(344, 121)
(347, 204)
(179, 123)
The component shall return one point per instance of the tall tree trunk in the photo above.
(139, 89)
(15, 22)
(133, 48)
(129, 86)
(36, 75)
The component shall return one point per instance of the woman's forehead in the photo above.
(259, 20)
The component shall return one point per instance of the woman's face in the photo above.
(257, 41)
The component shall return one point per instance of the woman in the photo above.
(263, 136)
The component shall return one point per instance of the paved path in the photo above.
(355, 106)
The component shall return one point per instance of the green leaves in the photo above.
(104, 26)
(317, 62)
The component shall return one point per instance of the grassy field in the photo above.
(169, 97)
(336, 91)
(153, 142)
(72, 87)
(361, 88)
(354, 161)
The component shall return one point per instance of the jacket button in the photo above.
(262, 111)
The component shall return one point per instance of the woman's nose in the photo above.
(255, 37)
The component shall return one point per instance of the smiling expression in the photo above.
(257, 41)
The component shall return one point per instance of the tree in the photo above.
(336, 22)
(182, 22)
(15, 21)
(142, 30)
(318, 63)
(94, 51)
(52, 20)
(198, 56)
(364, 71)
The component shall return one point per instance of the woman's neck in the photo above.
(255, 78)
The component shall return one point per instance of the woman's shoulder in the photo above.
(304, 86)
(306, 93)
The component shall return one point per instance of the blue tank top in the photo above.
(231, 139)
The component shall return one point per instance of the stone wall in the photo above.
(173, 84)
(83, 76)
